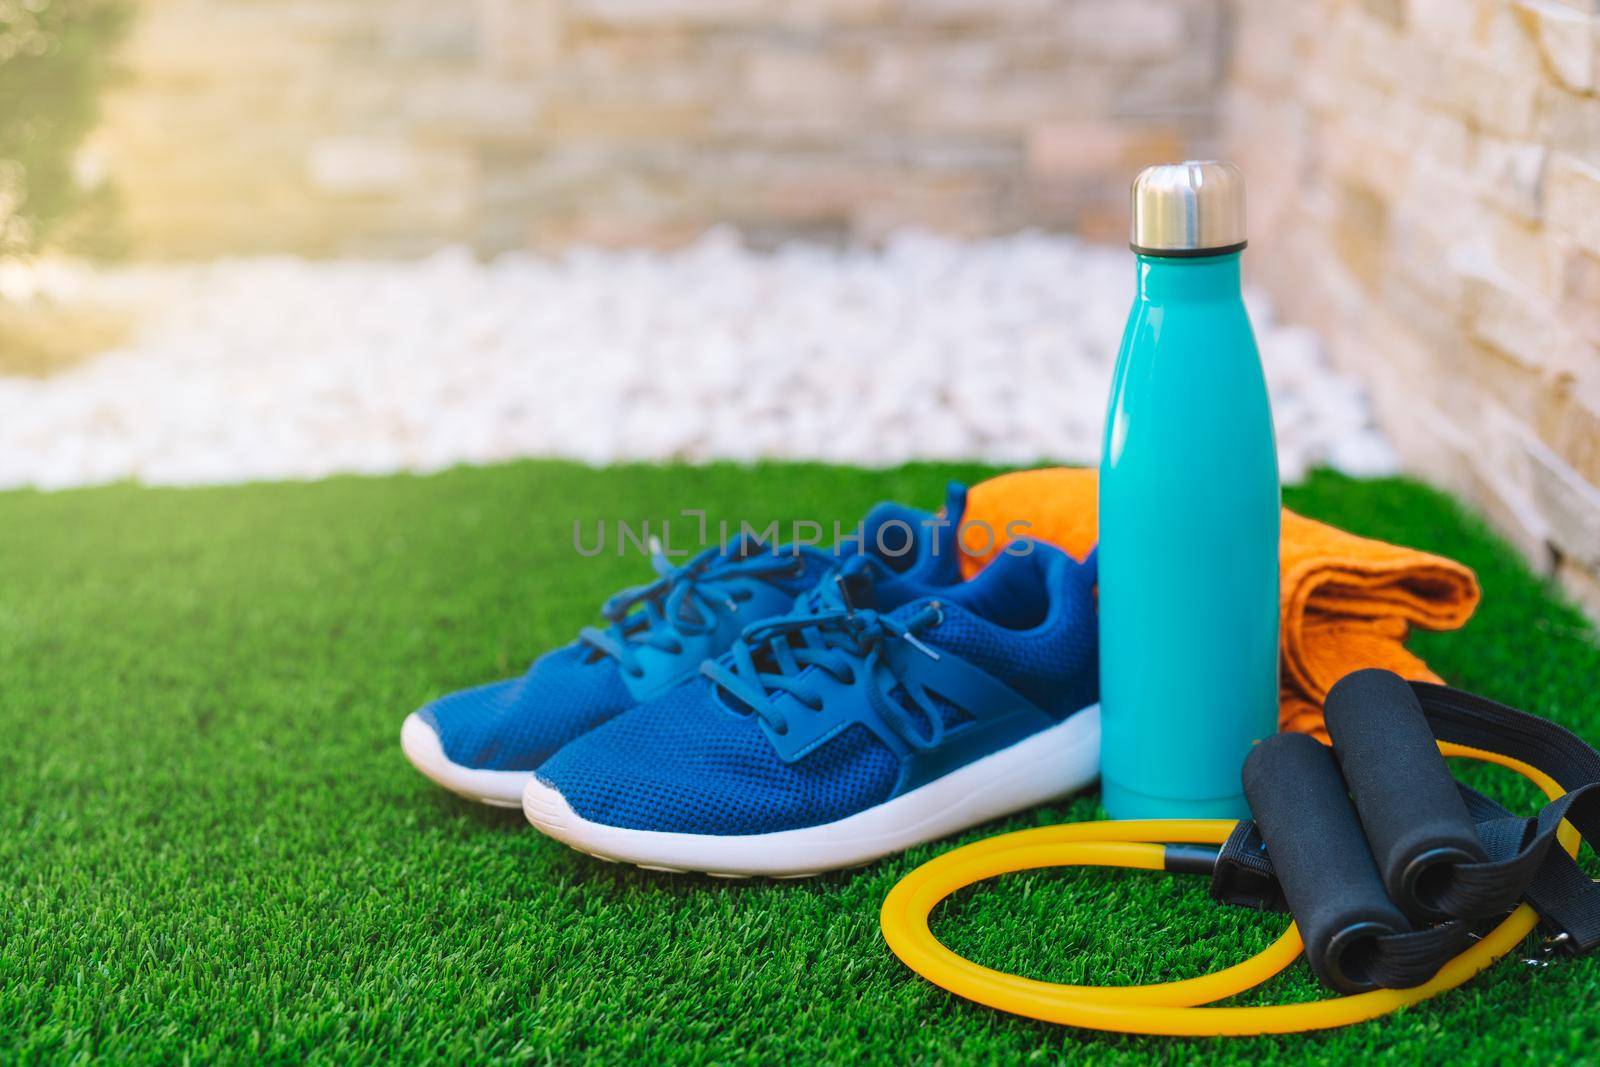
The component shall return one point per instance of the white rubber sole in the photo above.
(503, 789)
(1050, 764)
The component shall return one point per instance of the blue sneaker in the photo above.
(484, 743)
(841, 733)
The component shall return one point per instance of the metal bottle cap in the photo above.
(1194, 208)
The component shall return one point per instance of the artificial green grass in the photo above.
(213, 849)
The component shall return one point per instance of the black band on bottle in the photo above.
(1188, 253)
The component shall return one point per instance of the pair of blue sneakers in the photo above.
(761, 711)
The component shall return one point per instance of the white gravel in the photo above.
(279, 368)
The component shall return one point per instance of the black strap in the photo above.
(1403, 961)
(1521, 861)
(1243, 874)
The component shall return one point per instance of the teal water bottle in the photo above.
(1189, 514)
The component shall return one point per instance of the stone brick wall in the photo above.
(326, 126)
(1425, 190)
(1424, 174)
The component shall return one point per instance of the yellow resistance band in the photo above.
(1168, 1008)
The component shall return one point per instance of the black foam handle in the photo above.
(1321, 857)
(1413, 814)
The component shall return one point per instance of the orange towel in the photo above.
(1348, 601)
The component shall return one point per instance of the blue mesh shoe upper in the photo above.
(659, 633)
(512, 725)
(821, 714)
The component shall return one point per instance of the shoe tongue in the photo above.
(891, 533)
(899, 537)
(746, 546)
(955, 503)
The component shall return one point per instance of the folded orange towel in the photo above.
(1347, 602)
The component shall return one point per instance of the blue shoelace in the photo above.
(847, 643)
(682, 599)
